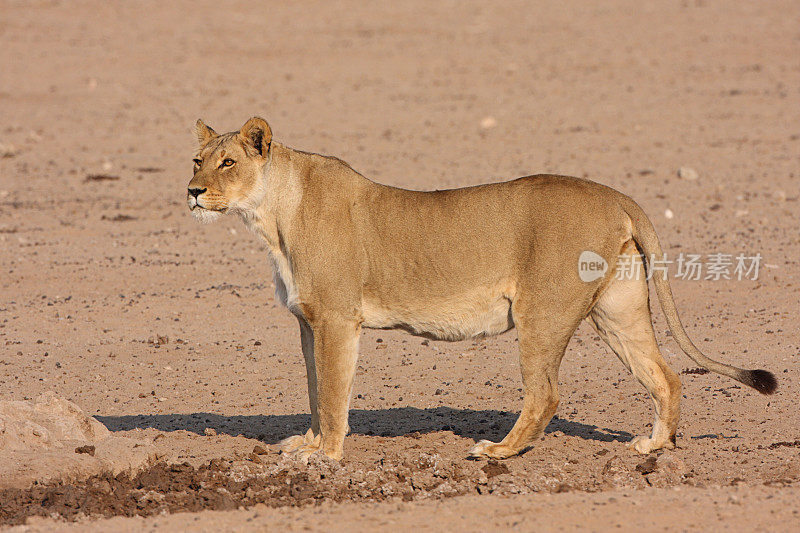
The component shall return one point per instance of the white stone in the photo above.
(488, 123)
(688, 174)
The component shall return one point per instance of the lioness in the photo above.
(348, 253)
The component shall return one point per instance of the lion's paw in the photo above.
(301, 447)
(295, 442)
(645, 445)
(307, 450)
(491, 450)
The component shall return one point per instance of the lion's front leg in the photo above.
(293, 443)
(334, 344)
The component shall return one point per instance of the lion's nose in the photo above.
(197, 192)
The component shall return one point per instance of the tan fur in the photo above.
(349, 253)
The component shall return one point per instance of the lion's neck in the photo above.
(283, 184)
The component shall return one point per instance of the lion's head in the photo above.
(229, 170)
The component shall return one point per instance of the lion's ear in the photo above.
(204, 133)
(257, 133)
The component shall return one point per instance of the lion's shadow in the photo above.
(467, 423)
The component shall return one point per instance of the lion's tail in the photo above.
(645, 236)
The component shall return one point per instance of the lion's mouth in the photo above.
(209, 209)
(195, 205)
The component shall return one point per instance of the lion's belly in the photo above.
(481, 312)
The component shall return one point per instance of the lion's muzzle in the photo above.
(192, 197)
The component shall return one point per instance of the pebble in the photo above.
(7, 150)
(488, 123)
(210, 432)
(669, 214)
(668, 470)
(88, 449)
(688, 174)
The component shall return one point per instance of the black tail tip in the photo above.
(762, 380)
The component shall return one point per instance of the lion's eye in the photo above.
(228, 162)
(198, 162)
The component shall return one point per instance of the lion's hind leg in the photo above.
(542, 341)
(622, 318)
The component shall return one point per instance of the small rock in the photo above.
(101, 177)
(669, 471)
(495, 468)
(670, 464)
(210, 432)
(259, 450)
(616, 474)
(255, 458)
(488, 123)
(648, 466)
(7, 150)
(669, 214)
(688, 174)
(88, 449)
(561, 487)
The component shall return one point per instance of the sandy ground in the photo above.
(734, 509)
(113, 297)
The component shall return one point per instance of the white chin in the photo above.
(205, 216)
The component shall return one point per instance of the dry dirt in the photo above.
(114, 298)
